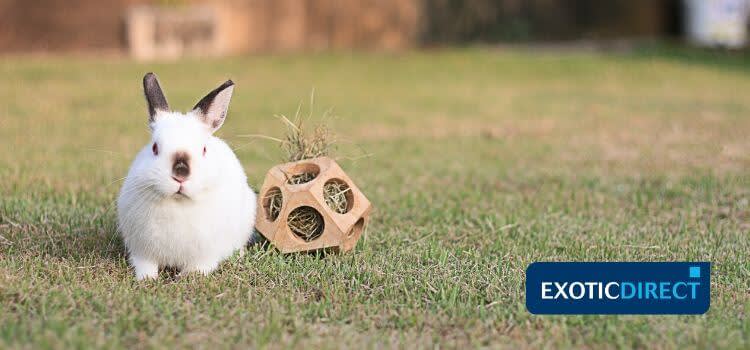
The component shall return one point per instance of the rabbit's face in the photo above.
(180, 155)
(179, 158)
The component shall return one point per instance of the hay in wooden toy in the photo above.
(272, 202)
(338, 196)
(309, 203)
(306, 223)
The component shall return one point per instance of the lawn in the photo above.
(479, 162)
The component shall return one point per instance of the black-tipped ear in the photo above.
(154, 96)
(212, 109)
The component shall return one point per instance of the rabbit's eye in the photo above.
(155, 149)
(204, 150)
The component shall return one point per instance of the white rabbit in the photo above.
(185, 202)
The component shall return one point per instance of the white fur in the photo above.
(196, 231)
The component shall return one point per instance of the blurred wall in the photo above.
(40, 25)
(243, 25)
(284, 25)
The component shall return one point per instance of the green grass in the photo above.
(482, 162)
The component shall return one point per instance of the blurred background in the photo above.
(148, 29)
(487, 134)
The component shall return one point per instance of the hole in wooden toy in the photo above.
(357, 228)
(302, 173)
(338, 196)
(306, 223)
(272, 202)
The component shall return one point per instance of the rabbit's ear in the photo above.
(212, 109)
(154, 96)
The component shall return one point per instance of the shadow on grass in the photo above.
(727, 60)
(260, 243)
(70, 227)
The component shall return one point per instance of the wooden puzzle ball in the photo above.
(309, 205)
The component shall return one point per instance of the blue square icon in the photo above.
(695, 272)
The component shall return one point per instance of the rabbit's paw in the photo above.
(144, 268)
(204, 269)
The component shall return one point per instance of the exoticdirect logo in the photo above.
(678, 288)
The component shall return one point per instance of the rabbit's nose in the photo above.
(181, 166)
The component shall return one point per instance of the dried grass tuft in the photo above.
(301, 142)
(300, 145)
